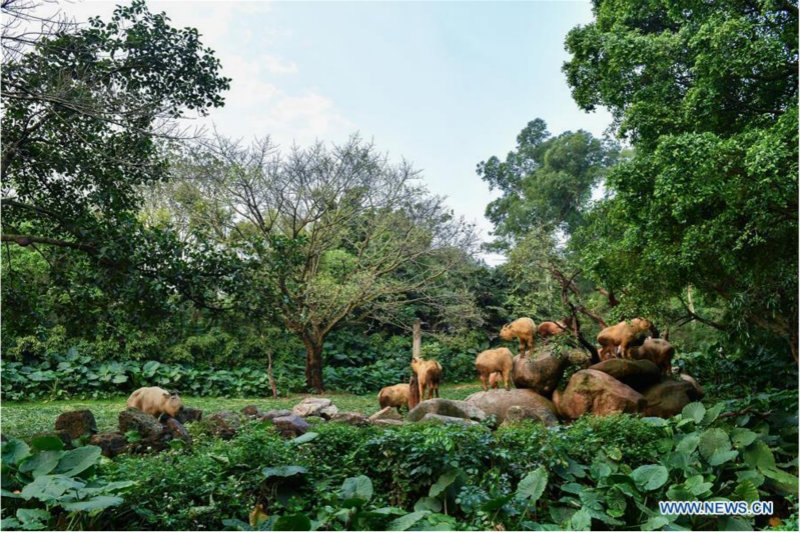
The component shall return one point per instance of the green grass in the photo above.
(25, 419)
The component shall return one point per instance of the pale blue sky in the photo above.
(442, 84)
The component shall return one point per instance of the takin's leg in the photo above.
(421, 388)
(484, 378)
(522, 345)
(506, 377)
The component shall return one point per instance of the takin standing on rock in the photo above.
(551, 329)
(394, 396)
(429, 373)
(494, 379)
(497, 360)
(621, 336)
(524, 330)
(155, 401)
(658, 351)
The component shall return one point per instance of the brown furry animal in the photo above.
(155, 401)
(523, 329)
(497, 360)
(621, 336)
(394, 396)
(429, 373)
(551, 329)
(658, 351)
(494, 379)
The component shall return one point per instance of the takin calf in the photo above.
(494, 379)
(658, 351)
(429, 373)
(621, 336)
(155, 401)
(497, 360)
(551, 329)
(394, 396)
(524, 330)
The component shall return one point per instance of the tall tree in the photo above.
(707, 95)
(546, 182)
(83, 110)
(329, 232)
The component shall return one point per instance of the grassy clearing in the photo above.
(25, 419)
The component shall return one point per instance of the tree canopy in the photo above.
(707, 95)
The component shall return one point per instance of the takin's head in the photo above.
(172, 403)
(506, 333)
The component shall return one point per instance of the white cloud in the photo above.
(276, 65)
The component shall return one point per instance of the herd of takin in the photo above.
(636, 339)
(626, 339)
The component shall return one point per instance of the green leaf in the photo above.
(689, 443)
(426, 503)
(444, 481)
(580, 521)
(714, 441)
(495, 503)
(41, 463)
(679, 492)
(306, 437)
(650, 477)
(758, 455)
(654, 523)
(93, 504)
(754, 476)
(742, 437)
(404, 522)
(732, 523)
(33, 517)
(746, 491)
(697, 486)
(46, 443)
(14, 451)
(784, 481)
(356, 488)
(532, 485)
(614, 453)
(292, 522)
(712, 414)
(78, 460)
(47, 488)
(694, 411)
(722, 457)
(283, 471)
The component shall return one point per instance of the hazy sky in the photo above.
(444, 85)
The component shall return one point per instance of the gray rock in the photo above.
(668, 397)
(76, 423)
(638, 374)
(311, 407)
(189, 414)
(498, 402)
(388, 422)
(291, 426)
(111, 444)
(223, 424)
(351, 418)
(177, 431)
(518, 413)
(251, 410)
(540, 374)
(274, 413)
(328, 412)
(387, 413)
(593, 391)
(144, 424)
(451, 420)
(441, 406)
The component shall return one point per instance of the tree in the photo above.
(329, 232)
(83, 112)
(707, 95)
(546, 182)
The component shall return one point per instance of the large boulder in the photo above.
(637, 374)
(441, 406)
(668, 397)
(448, 420)
(517, 413)
(593, 391)
(146, 425)
(540, 374)
(351, 418)
(498, 402)
(291, 426)
(274, 413)
(387, 413)
(315, 407)
(189, 414)
(77, 423)
(110, 444)
(176, 431)
(251, 411)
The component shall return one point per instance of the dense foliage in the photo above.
(707, 95)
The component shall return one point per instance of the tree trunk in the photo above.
(416, 351)
(313, 363)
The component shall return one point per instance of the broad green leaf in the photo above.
(532, 485)
(650, 477)
(306, 437)
(697, 486)
(784, 481)
(426, 503)
(733, 523)
(47, 442)
(754, 476)
(679, 492)
(714, 441)
(758, 455)
(76, 461)
(722, 457)
(712, 413)
(580, 521)
(689, 443)
(41, 463)
(444, 481)
(93, 504)
(47, 488)
(742, 437)
(694, 411)
(560, 515)
(356, 488)
(614, 453)
(292, 522)
(654, 523)
(14, 451)
(495, 503)
(746, 491)
(404, 522)
(573, 488)
(283, 471)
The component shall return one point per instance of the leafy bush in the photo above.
(47, 487)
